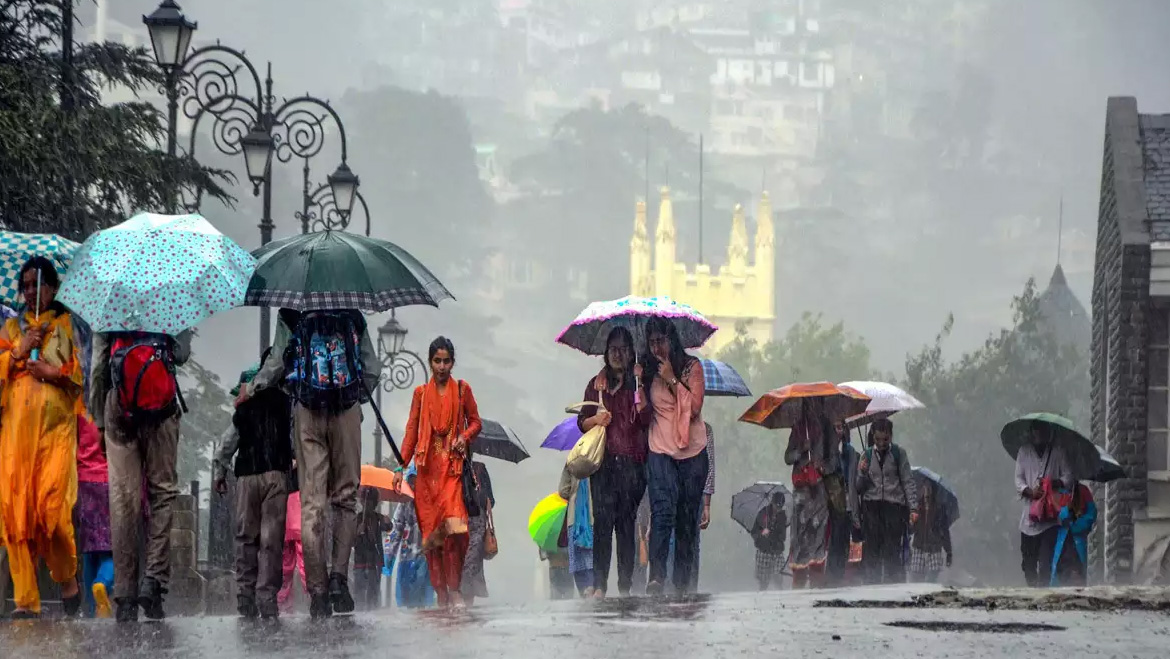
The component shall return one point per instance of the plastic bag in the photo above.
(587, 454)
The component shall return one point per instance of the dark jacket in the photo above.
(262, 430)
(776, 521)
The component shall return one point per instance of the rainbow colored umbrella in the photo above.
(546, 521)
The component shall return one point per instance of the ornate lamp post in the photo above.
(320, 210)
(400, 369)
(244, 116)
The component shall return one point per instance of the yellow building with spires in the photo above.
(741, 292)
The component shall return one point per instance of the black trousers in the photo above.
(1036, 552)
(617, 489)
(839, 532)
(884, 524)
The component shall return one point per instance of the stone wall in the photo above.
(185, 595)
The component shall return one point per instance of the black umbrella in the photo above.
(499, 441)
(1109, 469)
(747, 503)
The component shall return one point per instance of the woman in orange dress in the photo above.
(40, 397)
(444, 420)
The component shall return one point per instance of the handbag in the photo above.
(470, 500)
(491, 546)
(587, 454)
(1047, 507)
(806, 476)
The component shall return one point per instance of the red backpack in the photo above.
(142, 366)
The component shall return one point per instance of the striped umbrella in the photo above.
(720, 379)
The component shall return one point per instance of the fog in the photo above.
(940, 158)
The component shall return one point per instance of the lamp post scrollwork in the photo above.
(401, 369)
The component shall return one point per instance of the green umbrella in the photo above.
(1083, 457)
(340, 270)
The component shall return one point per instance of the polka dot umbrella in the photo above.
(156, 273)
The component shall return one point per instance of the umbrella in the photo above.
(1109, 469)
(340, 270)
(1083, 456)
(17, 248)
(156, 273)
(886, 400)
(589, 332)
(564, 436)
(944, 493)
(382, 480)
(499, 441)
(720, 379)
(546, 521)
(782, 408)
(748, 502)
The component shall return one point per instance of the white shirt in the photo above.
(1030, 468)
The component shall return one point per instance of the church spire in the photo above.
(737, 247)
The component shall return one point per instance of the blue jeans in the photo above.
(694, 570)
(676, 502)
(96, 567)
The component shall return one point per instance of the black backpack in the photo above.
(326, 368)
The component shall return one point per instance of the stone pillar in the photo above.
(221, 527)
(186, 588)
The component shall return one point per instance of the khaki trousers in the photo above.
(260, 515)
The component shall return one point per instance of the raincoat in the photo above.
(1077, 525)
(38, 454)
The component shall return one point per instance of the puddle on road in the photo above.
(986, 627)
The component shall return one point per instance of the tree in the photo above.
(1024, 368)
(72, 165)
(811, 350)
(209, 412)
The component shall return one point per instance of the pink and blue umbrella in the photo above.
(564, 436)
(590, 330)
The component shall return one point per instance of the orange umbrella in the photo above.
(382, 480)
(783, 407)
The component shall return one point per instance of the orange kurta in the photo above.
(38, 455)
(437, 418)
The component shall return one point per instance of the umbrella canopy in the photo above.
(564, 436)
(1083, 456)
(156, 273)
(546, 521)
(783, 407)
(17, 248)
(1109, 469)
(499, 441)
(885, 400)
(748, 502)
(944, 493)
(589, 332)
(382, 480)
(720, 379)
(245, 377)
(340, 270)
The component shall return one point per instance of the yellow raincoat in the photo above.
(38, 456)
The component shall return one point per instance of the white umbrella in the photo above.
(885, 400)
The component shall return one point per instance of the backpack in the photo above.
(326, 369)
(142, 367)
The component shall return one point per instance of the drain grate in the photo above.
(985, 627)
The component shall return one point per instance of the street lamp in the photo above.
(400, 369)
(321, 212)
(220, 84)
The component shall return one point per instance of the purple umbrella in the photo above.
(564, 436)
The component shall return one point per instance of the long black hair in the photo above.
(611, 377)
(679, 359)
(441, 343)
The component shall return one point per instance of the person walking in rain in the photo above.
(619, 484)
(579, 524)
(412, 583)
(886, 489)
(1070, 558)
(677, 466)
(42, 378)
(324, 357)
(261, 433)
(293, 557)
(367, 551)
(474, 582)
(1038, 459)
(810, 454)
(930, 542)
(769, 535)
(444, 421)
(840, 524)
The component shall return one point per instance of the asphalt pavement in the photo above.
(777, 624)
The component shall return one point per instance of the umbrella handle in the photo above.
(382, 423)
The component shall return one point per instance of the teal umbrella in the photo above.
(17, 248)
(156, 273)
(1082, 454)
(340, 270)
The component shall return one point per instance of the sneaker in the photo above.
(127, 609)
(246, 606)
(150, 598)
(101, 598)
(269, 610)
(654, 589)
(339, 597)
(319, 607)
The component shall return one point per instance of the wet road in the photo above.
(735, 625)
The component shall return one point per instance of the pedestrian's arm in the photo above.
(565, 487)
(795, 448)
(371, 364)
(410, 437)
(946, 540)
(182, 347)
(709, 486)
(909, 486)
(229, 444)
(99, 379)
(272, 370)
(690, 397)
(1022, 486)
(471, 414)
(585, 418)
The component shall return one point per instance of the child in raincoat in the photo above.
(1077, 517)
(412, 586)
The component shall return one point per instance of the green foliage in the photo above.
(811, 350)
(1022, 369)
(76, 167)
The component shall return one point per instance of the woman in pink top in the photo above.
(676, 469)
(93, 519)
